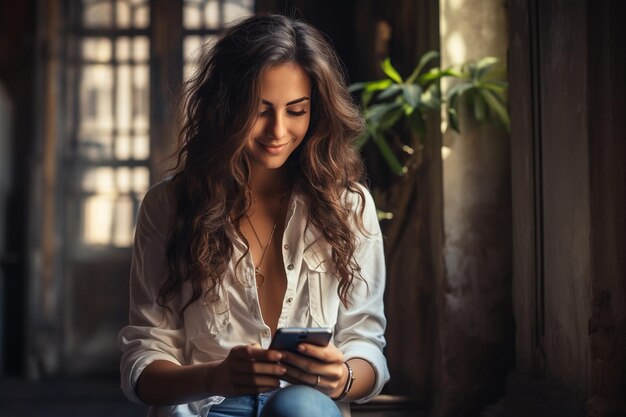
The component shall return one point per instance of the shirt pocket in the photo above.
(207, 317)
(323, 298)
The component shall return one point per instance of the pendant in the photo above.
(259, 277)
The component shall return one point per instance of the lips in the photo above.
(273, 149)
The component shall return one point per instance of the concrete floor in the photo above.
(103, 398)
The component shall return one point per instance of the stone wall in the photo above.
(475, 317)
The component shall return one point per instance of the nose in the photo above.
(276, 127)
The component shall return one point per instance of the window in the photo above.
(202, 20)
(108, 147)
(119, 59)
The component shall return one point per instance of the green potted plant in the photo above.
(395, 105)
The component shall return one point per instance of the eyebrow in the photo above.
(291, 103)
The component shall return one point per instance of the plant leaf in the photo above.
(458, 90)
(431, 98)
(480, 108)
(356, 87)
(432, 75)
(369, 88)
(486, 62)
(378, 85)
(392, 90)
(366, 97)
(497, 88)
(375, 113)
(387, 153)
(426, 58)
(390, 118)
(451, 72)
(390, 71)
(416, 123)
(496, 106)
(453, 119)
(412, 94)
(362, 139)
(484, 65)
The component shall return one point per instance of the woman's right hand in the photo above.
(248, 369)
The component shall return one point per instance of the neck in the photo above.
(268, 182)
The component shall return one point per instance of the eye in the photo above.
(297, 113)
(264, 112)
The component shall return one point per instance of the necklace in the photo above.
(257, 268)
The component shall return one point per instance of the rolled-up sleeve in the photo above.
(152, 333)
(361, 326)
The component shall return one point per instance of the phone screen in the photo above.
(289, 338)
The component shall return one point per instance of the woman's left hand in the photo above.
(321, 367)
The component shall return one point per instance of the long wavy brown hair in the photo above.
(212, 170)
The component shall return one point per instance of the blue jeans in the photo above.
(291, 401)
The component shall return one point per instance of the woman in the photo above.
(264, 226)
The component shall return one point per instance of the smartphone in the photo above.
(290, 337)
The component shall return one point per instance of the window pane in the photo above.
(193, 47)
(123, 149)
(123, 179)
(212, 16)
(96, 49)
(95, 110)
(140, 91)
(207, 14)
(122, 108)
(141, 147)
(97, 208)
(95, 146)
(122, 14)
(99, 180)
(235, 9)
(98, 219)
(124, 221)
(141, 18)
(141, 49)
(141, 181)
(122, 49)
(97, 13)
(192, 15)
(111, 205)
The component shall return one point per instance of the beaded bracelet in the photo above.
(349, 382)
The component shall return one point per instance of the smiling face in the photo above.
(283, 117)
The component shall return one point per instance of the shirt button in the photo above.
(266, 333)
(290, 267)
(289, 300)
(286, 246)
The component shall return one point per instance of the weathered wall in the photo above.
(475, 321)
(607, 166)
(472, 29)
(569, 183)
(565, 200)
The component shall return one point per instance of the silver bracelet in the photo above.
(349, 382)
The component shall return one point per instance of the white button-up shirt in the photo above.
(210, 329)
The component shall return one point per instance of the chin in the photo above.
(266, 163)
